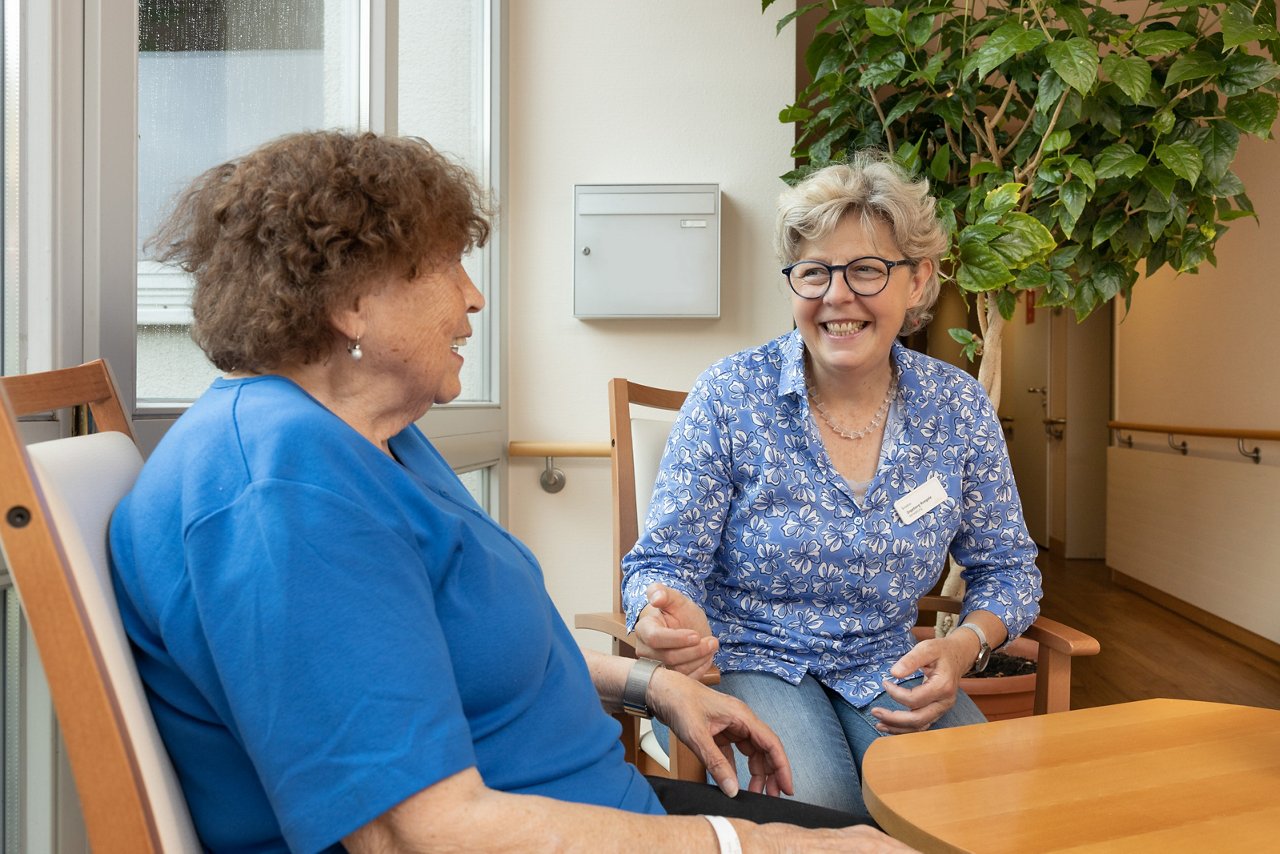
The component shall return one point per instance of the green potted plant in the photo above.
(1071, 143)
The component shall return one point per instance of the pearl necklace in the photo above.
(840, 430)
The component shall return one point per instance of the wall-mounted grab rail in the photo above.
(552, 478)
(1209, 432)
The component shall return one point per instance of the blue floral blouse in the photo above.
(797, 574)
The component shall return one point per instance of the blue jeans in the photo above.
(823, 734)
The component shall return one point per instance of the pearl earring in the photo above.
(354, 349)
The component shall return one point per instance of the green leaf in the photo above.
(983, 167)
(817, 52)
(903, 106)
(981, 232)
(1163, 121)
(951, 112)
(885, 71)
(1075, 19)
(1006, 302)
(1002, 198)
(1157, 42)
(1118, 159)
(1057, 140)
(908, 156)
(1085, 299)
(1064, 256)
(940, 165)
(1002, 44)
(1073, 196)
(1161, 179)
(1025, 240)
(1075, 60)
(981, 269)
(884, 20)
(1157, 222)
(1032, 277)
(1238, 27)
(971, 345)
(1193, 66)
(1081, 167)
(1253, 113)
(791, 16)
(1218, 146)
(1051, 89)
(1245, 73)
(1131, 73)
(919, 30)
(1108, 224)
(1182, 158)
(794, 114)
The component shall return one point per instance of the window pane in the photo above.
(10, 274)
(478, 483)
(443, 98)
(217, 78)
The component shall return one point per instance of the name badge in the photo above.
(920, 500)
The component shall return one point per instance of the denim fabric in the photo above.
(825, 737)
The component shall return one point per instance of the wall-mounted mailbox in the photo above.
(646, 250)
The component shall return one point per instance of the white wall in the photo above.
(663, 91)
(1201, 350)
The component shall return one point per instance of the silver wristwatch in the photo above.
(984, 648)
(636, 690)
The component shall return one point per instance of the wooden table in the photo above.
(1154, 775)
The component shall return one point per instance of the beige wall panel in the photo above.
(664, 91)
(1203, 530)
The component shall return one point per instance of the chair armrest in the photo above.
(1062, 638)
(944, 604)
(611, 623)
(1050, 633)
(614, 624)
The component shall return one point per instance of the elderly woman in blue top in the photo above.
(813, 487)
(341, 649)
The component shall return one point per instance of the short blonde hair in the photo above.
(877, 189)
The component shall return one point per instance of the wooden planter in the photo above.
(1000, 697)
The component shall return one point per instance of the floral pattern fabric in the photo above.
(797, 574)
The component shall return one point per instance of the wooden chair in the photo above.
(638, 444)
(637, 450)
(57, 498)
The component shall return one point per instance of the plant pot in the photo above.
(1000, 697)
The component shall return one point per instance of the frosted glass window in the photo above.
(216, 78)
(443, 64)
(11, 301)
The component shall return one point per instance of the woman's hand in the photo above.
(711, 724)
(943, 661)
(673, 630)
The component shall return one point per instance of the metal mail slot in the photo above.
(646, 250)
(688, 204)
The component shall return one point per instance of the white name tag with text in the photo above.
(920, 500)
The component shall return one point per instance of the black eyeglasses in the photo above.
(865, 276)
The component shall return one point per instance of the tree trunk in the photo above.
(992, 328)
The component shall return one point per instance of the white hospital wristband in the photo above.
(725, 834)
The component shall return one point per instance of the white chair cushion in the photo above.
(83, 479)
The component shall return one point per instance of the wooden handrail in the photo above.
(559, 449)
(1211, 432)
(552, 479)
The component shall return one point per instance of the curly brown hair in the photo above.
(280, 238)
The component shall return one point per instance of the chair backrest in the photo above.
(638, 443)
(57, 498)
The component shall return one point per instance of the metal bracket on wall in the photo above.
(1255, 454)
(1181, 447)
